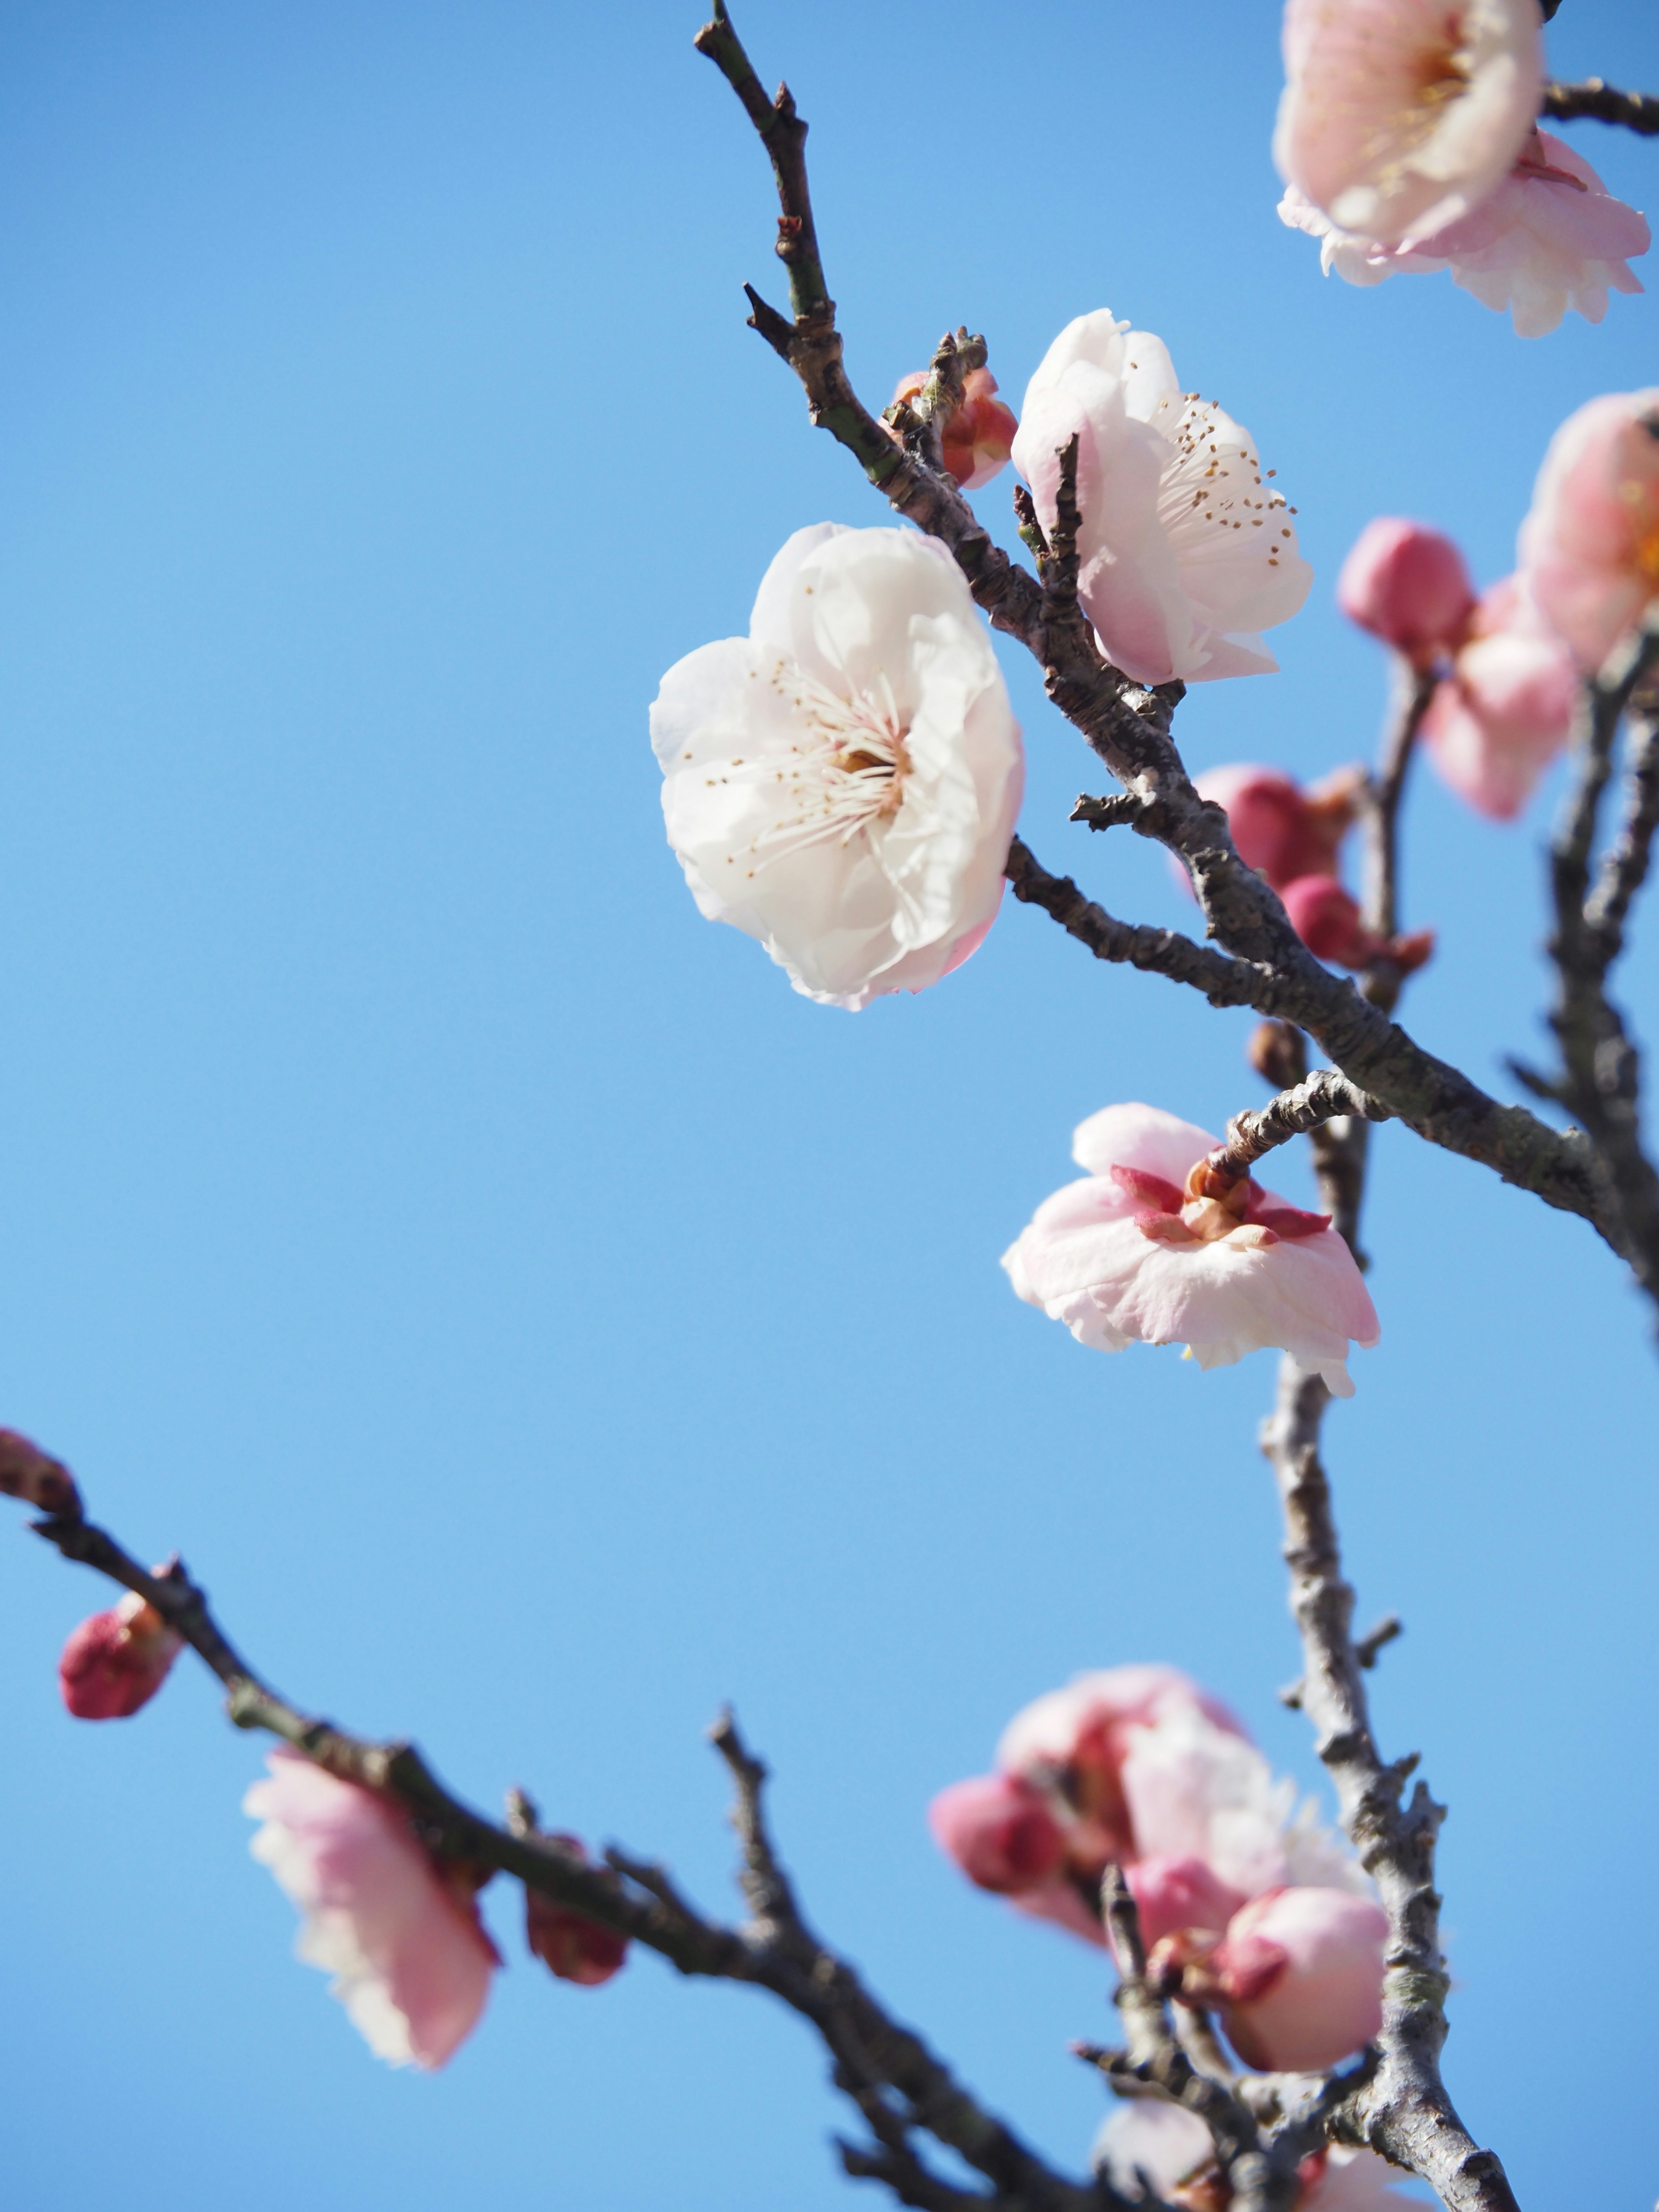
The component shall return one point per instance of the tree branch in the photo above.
(1321, 1097)
(777, 1950)
(1567, 103)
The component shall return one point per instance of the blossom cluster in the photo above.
(1249, 1909)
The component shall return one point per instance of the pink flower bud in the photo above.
(1001, 1833)
(980, 436)
(1282, 830)
(39, 1481)
(1174, 1894)
(575, 1949)
(116, 1661)
(1300, 1976)
(1327, 920)
(1407, 586)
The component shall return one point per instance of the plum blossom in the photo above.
(1282, 828)
(1407, 585)
(568, 1944)
(1327, 919)
(115, 1661)
(410, 1961)
(980, 436)
(1001, 1831)
(1401, 116)
(1173, 2148)
(1589, 546)
(1549, 237)
(843, 783)
(1186, 552)
(1505, 710)
(1140, 1250)
(1299, 1976)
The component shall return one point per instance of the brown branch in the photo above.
(775, 1950)
(1320, 1097)
(1567, 103)
(1126, 725)
(1385, 791)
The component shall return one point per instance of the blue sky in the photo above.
(532, 1321)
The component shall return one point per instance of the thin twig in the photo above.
(1567, 103)
(1320, 1097)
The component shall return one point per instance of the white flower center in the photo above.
(845, 772)
(1211, 485)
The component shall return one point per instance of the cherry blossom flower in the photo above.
(1549, 237)
(410, 1961)
(116, 1661)
(1186, 552)
(1590, 547)
(1138, 1252)
(1401, 116)
(1282, 828)
(1300, 1973)
(1173, 2148)
(1407, 585)
(843, 783)
(1505, 711)
(569, 1944)
(980, 436)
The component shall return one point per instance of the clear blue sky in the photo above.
(532, 1321)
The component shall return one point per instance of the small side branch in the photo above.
(1601, 103)
(1323, 1097)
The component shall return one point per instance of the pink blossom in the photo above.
(1498, 719)
(1407, 585)
(1401, 116)
(1300, 1974)
(569, 1944)
(411, 1964)
(1137, 1252)
(1001, 1833)
(116, 1661)
(1186, 552)
(1282, 828)
(1326, 919)
(1180, 1890)
(39, 1481)
(1549, 237)
(980, 436)
(1590, 547)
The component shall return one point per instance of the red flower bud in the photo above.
(1407, 586)
(27, 1472)
(573, 1947)
(1327, 920)
(980, 436)
(116, 1661)
(999, 1831)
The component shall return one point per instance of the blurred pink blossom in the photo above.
(1550, 236)
(1300, 1973)
(1001, 1831)
(1326, 919)
(1180, 1890)
(980, 436)
(1506, 709)
(1590, 547)
(1134, 1252)
(1282, 828)
(1407, 585)
(1186, 552)
(569, 1944)
(410, 1961)
(116, 1661)
(1401, 116)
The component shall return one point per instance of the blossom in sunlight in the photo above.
(569, 1944)
(1299, 1973)
(410, 1961)
(1505, 710)
(116, 1661)
(980, 436)
(1282, 828)
(1589, 546)
(1549, 237)
(39, 1481)
(1186, 552)
(1407, 585)
(843, 783)
(1401, 116)
(1171, 2146)
(1141, 1251)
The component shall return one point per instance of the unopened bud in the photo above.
(27, 1472)
(980, 436)
(1407, 586)
(575, 1949)
(1300, 1974)
(999, 1831)
(1280, 829)
(1278, 1053)
(1327, 920)
(1179, 1892)
(116, 1661)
